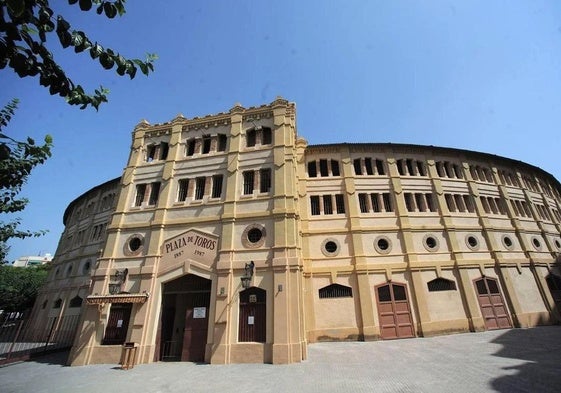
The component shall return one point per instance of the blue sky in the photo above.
(475, 75)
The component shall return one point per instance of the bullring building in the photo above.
(229, 239)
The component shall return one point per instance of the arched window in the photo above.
(76, 301)
(57, 303)
(335, 290)
(441, 284)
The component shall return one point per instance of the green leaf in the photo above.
(96, 51)
(16, 7)
(106, 61)
(110, 10)
(85, 5)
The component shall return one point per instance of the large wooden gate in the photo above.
(493, 308)
(184, 320)
(394, 311)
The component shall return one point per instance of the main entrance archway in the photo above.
(184, 321)
(394, 312)
(492, 305)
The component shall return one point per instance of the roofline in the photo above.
(75, 201)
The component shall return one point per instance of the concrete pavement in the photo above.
(515, 360)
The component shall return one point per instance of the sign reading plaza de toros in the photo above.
(193, 245)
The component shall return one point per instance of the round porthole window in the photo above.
(254, 236)
(383, 244)
(134, 245)
(431, 243)
(472, 242)
(507, 242)
(557, 244)
(330, 247)
(537, 244)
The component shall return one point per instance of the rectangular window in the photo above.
(200, 187)
(327, 205)
(222, 140)
(335, 168)
(409, 201)
(154, 193)
(368, 166)
(183, 186)
(421, 169)
(410, 170)
(323, 168)
(314, 205)
(217, 186)
(340, 203)
(250, 138)
(449, 202)
(387, 202)
(469, 204)
(267, 136)
(206, 144)
(150, 153)
(420, 201)
(312, 170)
(248, 179)
(358, 166)
(140, 191)
(375, 199)
(190, 147)
(265, 180)
(380, 167)
(164, 149)
(430, 202)
(363, 203)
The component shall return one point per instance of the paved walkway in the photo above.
(516, 360)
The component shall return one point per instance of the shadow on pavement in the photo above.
(540, 348)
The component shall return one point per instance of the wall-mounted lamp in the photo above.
(248, 275)
(222, 290)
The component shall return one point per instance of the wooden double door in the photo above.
(394, 312)
(184, 321)
(492, 304)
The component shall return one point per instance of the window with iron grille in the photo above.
(217, 186)
(314, 205)
(248, 182)
(368, 166)
(200, 184)
(387, 202)
(183, 186)
(357, 166)
(441, 284)
(335, 291)
(265, 180)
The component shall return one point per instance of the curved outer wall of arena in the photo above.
(229, 239)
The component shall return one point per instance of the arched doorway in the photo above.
(394, 312)
(493, 308)
(184, 320)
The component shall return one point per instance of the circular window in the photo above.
(507, 242)
(383, 245)
(537, 244)
(330, 247)
(134, 245)
(430, 242)
(254, 236)
(472, 242)
(557, 244)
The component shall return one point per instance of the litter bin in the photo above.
(128, 356)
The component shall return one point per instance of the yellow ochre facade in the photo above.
(229, 239)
